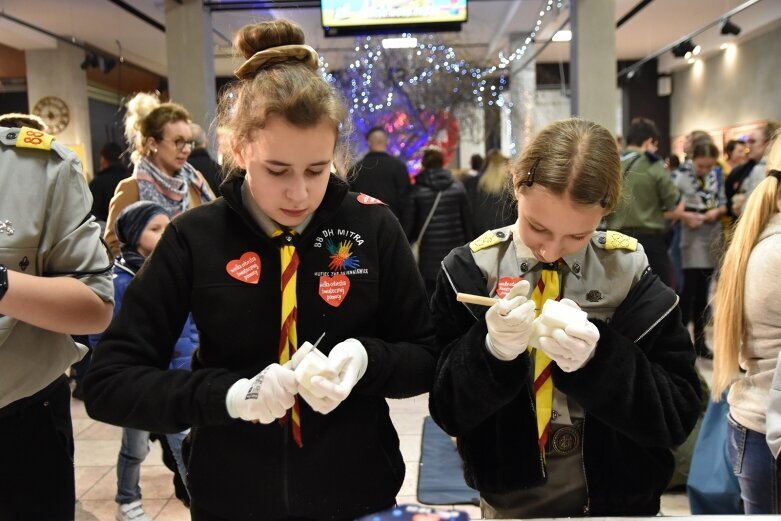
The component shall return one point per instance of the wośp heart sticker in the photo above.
(334, 289)
(246, 268)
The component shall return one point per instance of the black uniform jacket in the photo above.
(356, 278)
(640, 393)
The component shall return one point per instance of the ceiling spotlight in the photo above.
(729, 28)
(680, 50)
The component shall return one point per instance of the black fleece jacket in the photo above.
(350, 463)
(640, 392)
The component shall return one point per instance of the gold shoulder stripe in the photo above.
(486, 240)
(31, 138)
(619, 241)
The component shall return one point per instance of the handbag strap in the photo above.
(430, 215)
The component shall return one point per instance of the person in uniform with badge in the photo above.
(55, 281)
(285, 259)
(573, 412)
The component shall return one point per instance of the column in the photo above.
(57, 85)
(593, 61)
(190, 57)
(523, 93)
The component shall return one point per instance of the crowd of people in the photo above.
(542, 293)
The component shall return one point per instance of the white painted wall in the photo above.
(736, 86)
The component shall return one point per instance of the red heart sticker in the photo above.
(505, 284)
(246, 268)
(367, 199)
(334, 289)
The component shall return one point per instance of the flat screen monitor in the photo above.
(355, 17)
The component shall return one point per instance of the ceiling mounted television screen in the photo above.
(358, 17)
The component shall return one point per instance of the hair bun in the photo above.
(258, 37)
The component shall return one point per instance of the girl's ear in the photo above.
(238, 153)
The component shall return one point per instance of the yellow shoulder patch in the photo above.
(619, 241)
(486, 240)
(31, 138)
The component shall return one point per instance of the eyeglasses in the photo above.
(181, 143)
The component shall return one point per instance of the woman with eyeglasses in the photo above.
(161, 139)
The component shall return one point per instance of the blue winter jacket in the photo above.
(188, 340)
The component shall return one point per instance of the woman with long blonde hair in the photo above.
(747, 335)
(490, 200)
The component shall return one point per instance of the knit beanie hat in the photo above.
(132, 220)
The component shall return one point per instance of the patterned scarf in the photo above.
(170, 192)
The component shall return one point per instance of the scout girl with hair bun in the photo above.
(574, 412)
(285, 256)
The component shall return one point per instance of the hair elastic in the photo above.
(775, 173)
(274, 55)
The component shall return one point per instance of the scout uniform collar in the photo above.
(527, 261)
(266, 223)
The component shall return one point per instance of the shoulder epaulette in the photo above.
(488, 239)
(611, 240)
(368, 199)
(27, 137)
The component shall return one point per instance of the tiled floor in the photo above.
(97, 445)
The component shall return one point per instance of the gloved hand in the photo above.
(265, 398)
(348, 360)
(509, 323)
(572, 346)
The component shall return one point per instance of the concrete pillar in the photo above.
(523, 94)
(57, 85)
(593, 61)
(190, 56)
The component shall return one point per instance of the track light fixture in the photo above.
(98, 61)
(729, 28)
(90, 60)
(680, 50)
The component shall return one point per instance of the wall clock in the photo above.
(54, 111)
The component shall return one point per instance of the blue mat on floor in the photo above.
(441, 476)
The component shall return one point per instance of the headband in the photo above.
(274, 55)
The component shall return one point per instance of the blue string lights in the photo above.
(402, 88)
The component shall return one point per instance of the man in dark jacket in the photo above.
(202, 160)
(381, 175)
(111, 172)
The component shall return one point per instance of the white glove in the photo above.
(265, 398)
(509, 323)
(348, 360)
(572, 346)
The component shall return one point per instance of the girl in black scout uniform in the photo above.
(579, 419)
(284, 256)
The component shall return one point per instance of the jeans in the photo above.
(757, 470)
(175, 442)
(135, 447)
